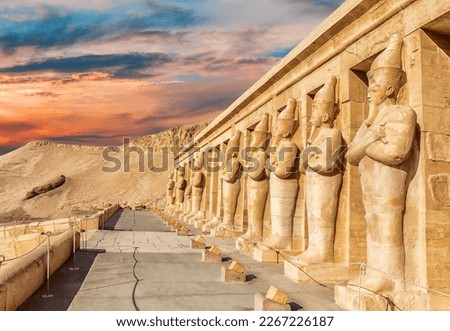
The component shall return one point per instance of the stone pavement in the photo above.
(147, 267)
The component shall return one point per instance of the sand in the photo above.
(87, 183)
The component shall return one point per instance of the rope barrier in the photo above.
(410, 283)
(362, 265)
(37, 246)
(21, 256)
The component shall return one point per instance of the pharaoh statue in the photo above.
(381, 149)
(169, 190)
(198, 184)
(187, 200)
(320, 163)
(231, 185)
(257, 183)
(180, 188)
(283, 180)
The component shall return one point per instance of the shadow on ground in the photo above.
(64, 284)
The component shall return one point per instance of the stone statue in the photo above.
(283, 180)
(231, 185)
(187, 200)
(381, 150)
(320, 164)
(257, 182)
(180, 187)
(198, 184)
(169, 190)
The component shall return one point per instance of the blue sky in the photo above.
(135, 65)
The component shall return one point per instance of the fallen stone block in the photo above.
(213, 255)
(198, 243)
(276, 295)
(233, 273)
(264, 304)
(183, 231)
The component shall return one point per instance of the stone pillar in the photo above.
(427, 226)
(213, 200)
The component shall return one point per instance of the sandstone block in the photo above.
(198, 243)
(213, 255)
(223, 233)
(262, 303)
(183, 231)
(350, 299)
(263, 254)
(276, 295)
(333, 274)
(233, 274)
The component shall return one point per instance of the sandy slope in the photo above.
(87, 184)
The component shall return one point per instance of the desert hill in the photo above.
(87, 180)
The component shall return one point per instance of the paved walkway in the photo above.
(147, 267)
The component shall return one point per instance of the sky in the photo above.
(95, 71)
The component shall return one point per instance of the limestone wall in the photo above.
(25, 249)
(22, 277)
(345, 45)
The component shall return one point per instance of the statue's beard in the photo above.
(373, 113)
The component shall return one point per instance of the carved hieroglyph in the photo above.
(198, 184)
(381, 150)
(283, 180)
(257, 181)
(320, 163)
(231, 185)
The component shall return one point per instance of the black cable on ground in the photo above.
(137, 280)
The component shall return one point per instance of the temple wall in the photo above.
(345, 45)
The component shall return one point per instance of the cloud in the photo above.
(56, 26)
(11, 126)
(96, 70)
(119, 65)
(87, 76)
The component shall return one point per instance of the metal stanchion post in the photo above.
(74, 248)
(85, 233)
(2, 259)
(48, 295)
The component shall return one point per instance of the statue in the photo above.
(283, 180)
(187, 201)
(198, 184)
(323, 177)
(231, 185)
(257, 183)
(381, 149)
(169, 190)
(181, 187)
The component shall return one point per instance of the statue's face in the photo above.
(283, 129)
(320, 113)
(378, 92)
(198, 161)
